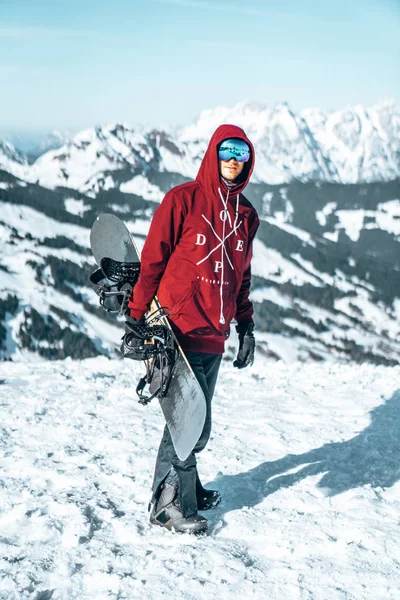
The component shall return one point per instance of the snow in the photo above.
(266, 203)
(279, 221)
(374, 314)
(387, 217)
(28, 220)
(269, 263)
(183, 163)
(288, 349)
(357, 140)
(332, 236)
(273, 295)
(118, 208)
(352, 222)
(299, 325)
(309, 476)
(140, 186)
(378, 333)
(21, 278)
(73, 164)
(272, 130)
(12, 161)
(349, 145)
(138, 227)
(322, 215)
(287, 215)
(76, 207)
(308, 266)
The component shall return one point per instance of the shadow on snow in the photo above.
(370, 458)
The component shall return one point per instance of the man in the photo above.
(196, 259)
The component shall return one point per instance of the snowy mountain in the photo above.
(13, 161)
(326, 266)
(353, 145)
(309, 477)
(326, 270)
(32, 145)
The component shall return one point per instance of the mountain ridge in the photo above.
(353, 145)
(326, 267)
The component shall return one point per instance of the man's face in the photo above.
(230, 169)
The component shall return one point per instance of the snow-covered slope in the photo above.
(13, 161)
(327, 267)
(47, 306)
(309, 476)
(326, 270)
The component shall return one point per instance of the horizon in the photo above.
(160, 62)
(35, 135)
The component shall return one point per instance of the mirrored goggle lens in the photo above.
(239, 154)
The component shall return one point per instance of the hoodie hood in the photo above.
(208, 175)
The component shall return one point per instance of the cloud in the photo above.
(226, 8)
(34, 33)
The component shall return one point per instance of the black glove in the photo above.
(247, 345)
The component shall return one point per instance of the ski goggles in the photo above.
(234, 148)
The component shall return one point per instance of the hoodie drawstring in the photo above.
(221, 292)
(223, 249)
(237, 214)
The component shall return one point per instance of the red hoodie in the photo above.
(197, 254)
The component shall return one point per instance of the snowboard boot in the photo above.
(167, 512)
(206, 499)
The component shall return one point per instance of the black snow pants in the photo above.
(205, 368)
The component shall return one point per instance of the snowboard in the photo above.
(183, 404)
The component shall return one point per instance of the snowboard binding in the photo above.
(147, 339)
(153, 343)
(113, 283)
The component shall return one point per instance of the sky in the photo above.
(72, 65)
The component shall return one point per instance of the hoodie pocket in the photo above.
(199, 314)
(180, 302)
